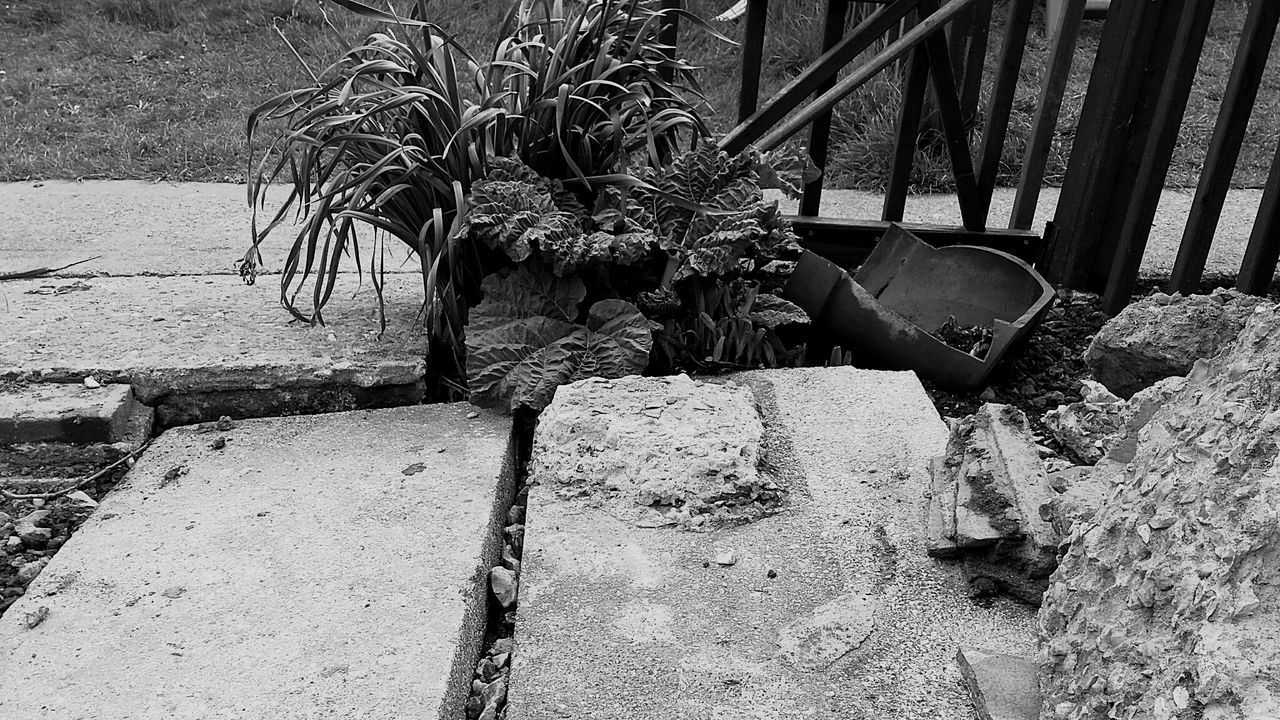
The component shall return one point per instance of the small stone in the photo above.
(92, 383)
(473, 415)
(487, 670)
(726, 558)
(174, 592)
(35, 618)
(13, 544)
(502, 646)
(771, 574)
(987, 395)
(224, 424)
(501, 659)
(29, 571)
(82, 498)
(515, 515)
(509, 559)
(515, 536)
(494, 693)
(505, 586)
(218, 444)
(29, 530)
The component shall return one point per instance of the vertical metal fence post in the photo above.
(669, 35)
(752, 57)
(820, 132)
(1224, 148)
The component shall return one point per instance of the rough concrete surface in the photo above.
(183, 336)
(623, 622)
(1167, 604)
(316, 567)
(1003, 687)
(657, 451)
(65, 412)
(1162, 335)
(140, 228)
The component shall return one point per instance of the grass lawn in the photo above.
(159, 89)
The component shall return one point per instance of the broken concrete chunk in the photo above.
(992, 482)
(1003, 687)
(1162, 336)
(1165, 604)
(698, 461)
(1102, 425)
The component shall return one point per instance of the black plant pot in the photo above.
(907, 289)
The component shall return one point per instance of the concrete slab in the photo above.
(140, 228)
(201, 347)
(316, 567)
(828, 609)
(69, 413)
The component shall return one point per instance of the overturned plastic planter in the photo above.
(906, 290)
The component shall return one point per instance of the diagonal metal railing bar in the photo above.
(798, 91)
(741, 137)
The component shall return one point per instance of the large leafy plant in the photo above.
(390, 139)
(707, 312)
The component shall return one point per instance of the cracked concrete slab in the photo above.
(314, 567)
(203, 346)
(829, 608)
(141, 228)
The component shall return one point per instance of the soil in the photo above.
(1044, 373)
(972, 339)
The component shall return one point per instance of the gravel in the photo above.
(32, 531)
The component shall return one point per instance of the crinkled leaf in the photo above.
(772, 312)
(514, 170)
(517, 357)
(571, 254)
(527, 292)
(502, 214)
(745, 226)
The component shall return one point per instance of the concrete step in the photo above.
(67, 427)
(823, 606)
(197, 348)
(71, 413)
(314, 567)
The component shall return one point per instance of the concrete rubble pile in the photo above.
(1167, 603)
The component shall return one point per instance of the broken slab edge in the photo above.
(482, 606)
(151, 384)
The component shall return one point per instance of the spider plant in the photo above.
(385, 143)
(592, 87)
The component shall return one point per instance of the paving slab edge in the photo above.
(471, 639)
